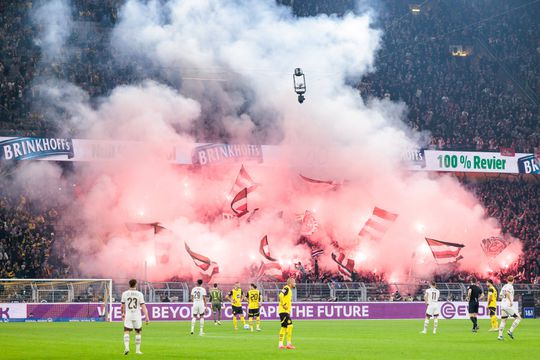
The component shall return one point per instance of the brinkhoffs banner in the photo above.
(26, 148)
(44, 312)
(197, 154)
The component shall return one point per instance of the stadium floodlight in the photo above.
(299, 81)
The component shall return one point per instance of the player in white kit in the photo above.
(431, 298)
(132, 303)
(507, 296)
(198, 296)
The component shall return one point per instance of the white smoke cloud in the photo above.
(233, 64)
(253, 46)
(54, 24)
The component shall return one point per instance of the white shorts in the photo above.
(133, 324)
(198, 309)
(432, 310)
(507, 311)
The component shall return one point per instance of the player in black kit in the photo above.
(474, 295)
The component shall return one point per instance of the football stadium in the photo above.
(265, 179)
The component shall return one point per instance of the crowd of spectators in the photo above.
(32, 246)
(86, 61)
(27, 235)
(514, 204)
(485, 100)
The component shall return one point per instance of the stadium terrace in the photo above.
(241, 179)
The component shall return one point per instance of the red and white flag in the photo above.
(200, 261)
(328, 184)
(272, 269)
(162, 247)
(378, 224)
(309, 224)
(345, 265)
(239, 203)
(207, 276)
(243, 181)
(316, 252)
(157, 227)
(445, 252)
(204, 263)
(264, 249)
(242, 186)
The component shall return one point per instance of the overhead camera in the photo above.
(299, 81)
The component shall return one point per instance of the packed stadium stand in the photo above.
(482, 97)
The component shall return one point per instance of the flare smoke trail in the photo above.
(221, 71)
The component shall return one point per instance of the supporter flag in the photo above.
(316, 252)
(161, 246)
(378, 224)
(309, 224)
(213, 269)
(145, 226)
(200, 261)
(331, 183)
(314, 181)
(255, 214)
(445, 252)
(345, 265)
(239, 203)
(242, 186)
(494, 245)
(265, 250)
(272, 269)
(243, 181)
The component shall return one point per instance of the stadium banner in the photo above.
(480, 162)
(59, 312)
(107, 150)
(415, 159)
(212, 154)
(28, 148)
(56, 312)
(201, 154)
(460, 310)
(12, 311)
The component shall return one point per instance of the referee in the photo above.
(474, 295)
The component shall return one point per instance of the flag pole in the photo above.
(412, 265)
(145, 279)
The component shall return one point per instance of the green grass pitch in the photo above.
(352, 339)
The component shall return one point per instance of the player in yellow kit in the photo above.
(254, 299)
(235, 297)
(492, 305)
(284, 310)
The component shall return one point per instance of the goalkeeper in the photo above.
(216, 298)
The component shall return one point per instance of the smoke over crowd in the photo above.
(215, 71)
